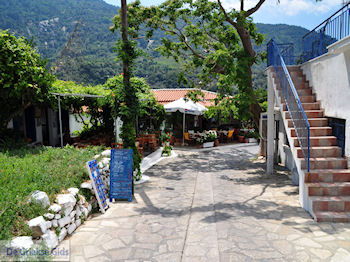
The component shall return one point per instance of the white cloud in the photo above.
(294, 7)
(288, 7)
(236, 4)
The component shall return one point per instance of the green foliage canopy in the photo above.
(224, 111)
(24, 80)
(112, 103)
(208, 39)
(148, 105)
(44, 21)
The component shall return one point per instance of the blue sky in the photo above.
(305, 13)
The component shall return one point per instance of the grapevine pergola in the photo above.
(59, 95)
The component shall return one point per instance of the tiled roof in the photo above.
(165, 96)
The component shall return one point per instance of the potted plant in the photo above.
(216, 142)
(167, 150)
(252, 136)
(199, 141)
(209, 138)
(241, 136)
(165, 138)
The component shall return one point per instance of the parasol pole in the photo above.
(183, 126)
(60, 120)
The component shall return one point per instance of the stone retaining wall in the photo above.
(69, 210)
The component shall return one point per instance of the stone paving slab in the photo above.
(201, 238)
(211, 205)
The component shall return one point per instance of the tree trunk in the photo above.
(129, 119)
(255, 108)
(126, 63)
(129, 115)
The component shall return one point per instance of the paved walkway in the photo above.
(215, 205)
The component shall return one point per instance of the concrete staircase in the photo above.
(328, 182)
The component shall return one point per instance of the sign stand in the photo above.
(98, 185)
(121, 174)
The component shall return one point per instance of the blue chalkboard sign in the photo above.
(121, 174)
(97, 184)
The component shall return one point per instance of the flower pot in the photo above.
(252, 140)
(216, 142)
(241, 139)
(246, 140)
(208, 144)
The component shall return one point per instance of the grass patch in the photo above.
(25, 170)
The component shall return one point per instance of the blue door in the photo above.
(338, 130)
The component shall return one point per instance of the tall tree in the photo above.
(130, 105)
(218, 42)
(24, 79)
(207, 37)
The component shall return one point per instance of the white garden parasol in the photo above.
(185, 106)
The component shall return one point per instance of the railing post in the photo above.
(308, 149)
(270, 125)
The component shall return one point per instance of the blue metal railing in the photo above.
(291, 97)
(335, 28)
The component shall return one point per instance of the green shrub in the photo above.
(25, 170)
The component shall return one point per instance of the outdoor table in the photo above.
(150, 140)
(222, 135)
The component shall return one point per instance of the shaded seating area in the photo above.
(188, 139)
(227, 136)
(186, 107)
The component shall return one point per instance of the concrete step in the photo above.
(328, 175)
(315, 131)
(294, 68)
(296, 73)
(303, 98)
(333, 217)
(322, 151)
(330, 203)
(303, 85)
(307, 106)
(299, 77)
(300, 85)
(314, 122)
(304, 91)
(329, 189)
(297, 85)
(308, 99)
(310, 114)
(300, 91)
(312, 106)
(325, 163)
(319, 141)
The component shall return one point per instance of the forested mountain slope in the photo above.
(74, 36)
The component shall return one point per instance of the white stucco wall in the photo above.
(39, 130)
(53, 127)
(329, 76)
(77, 125)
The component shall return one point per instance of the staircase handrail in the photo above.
(331, 30)
(292, 99)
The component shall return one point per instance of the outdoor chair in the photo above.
(188, 139)
(230, 135)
